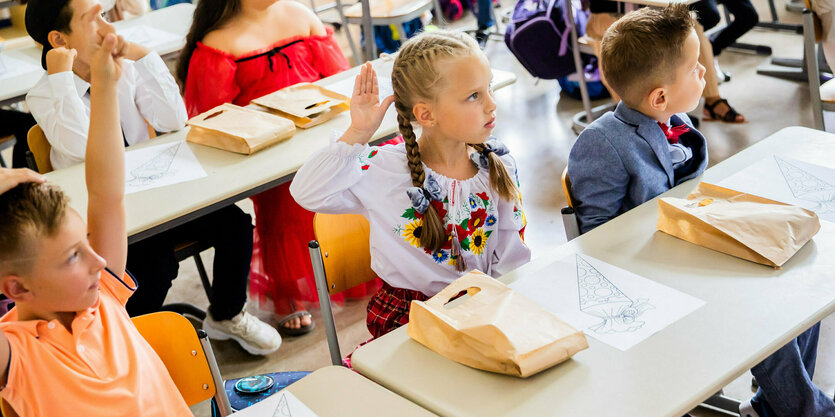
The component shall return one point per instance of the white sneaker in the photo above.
(255, 336)
(747, 410)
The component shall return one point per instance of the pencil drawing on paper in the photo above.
(283, 409)
(155, 168)
(805, 186)
(601, 298)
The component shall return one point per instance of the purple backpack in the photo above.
(540, 37)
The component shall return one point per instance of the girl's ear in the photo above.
(423, 114)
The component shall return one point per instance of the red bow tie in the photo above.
(673, 133)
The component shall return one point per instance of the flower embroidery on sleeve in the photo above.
(364, 158)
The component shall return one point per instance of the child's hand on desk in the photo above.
(10, 178)
(59, 59)
(366, 109)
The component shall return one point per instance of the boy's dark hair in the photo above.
(643, 50)
(29, 211)
(44, 16)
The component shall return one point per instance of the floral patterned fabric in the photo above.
(373, 181)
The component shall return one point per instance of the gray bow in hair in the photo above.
(492, 145)
(421, 196)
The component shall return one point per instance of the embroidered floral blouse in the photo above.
(372, 181)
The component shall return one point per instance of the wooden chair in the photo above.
(569, 216)
(341, 258)
(39, 149)
(187, 355)
(38, 156)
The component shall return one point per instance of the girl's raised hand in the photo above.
(10, 178)
(366, 109)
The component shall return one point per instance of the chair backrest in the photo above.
(40, 148)
(346, 252)
(175, 341)
(566, 188)
(7, 409)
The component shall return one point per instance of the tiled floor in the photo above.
(534, 120)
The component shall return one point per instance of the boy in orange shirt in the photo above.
(69, 344)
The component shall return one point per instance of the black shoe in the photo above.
(481, 36)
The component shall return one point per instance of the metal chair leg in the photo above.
(325, 301)
(354, 49)
(204, 277)
(811, 62)
(723, 404)
(221, 398)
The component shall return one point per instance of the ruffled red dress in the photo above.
(281, 270)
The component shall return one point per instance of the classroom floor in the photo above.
(541, 150)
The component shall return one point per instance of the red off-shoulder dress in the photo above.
(281, 270)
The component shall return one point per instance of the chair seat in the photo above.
(391, 11)
(586, 45)
(189, 248)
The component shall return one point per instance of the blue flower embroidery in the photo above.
(440, 256)
(491, 220)
(473, 203)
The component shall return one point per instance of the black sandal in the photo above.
(287, 331)
(728, 117)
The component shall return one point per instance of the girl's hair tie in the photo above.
(422, 196)
(493, 145)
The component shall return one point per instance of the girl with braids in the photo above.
(438, 205)
(238, 50)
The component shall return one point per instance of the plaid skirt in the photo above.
(389, 309)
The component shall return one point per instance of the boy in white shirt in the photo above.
(148, 93)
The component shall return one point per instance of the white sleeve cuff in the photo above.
(62, 84)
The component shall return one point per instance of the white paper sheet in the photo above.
(10, 67)
(148, 36)
(161, 165)
(790, 181)
(610, 304)
(290, 406)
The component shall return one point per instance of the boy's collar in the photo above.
(81, 86)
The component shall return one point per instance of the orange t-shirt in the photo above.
(103, 368)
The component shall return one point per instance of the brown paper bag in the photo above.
(238, 129)
(496, 329)
(306, 104)
(743, 225)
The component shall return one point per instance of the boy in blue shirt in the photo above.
(647, 146)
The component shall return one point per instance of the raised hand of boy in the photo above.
(59, 59)
(105, 158)
(367, 111)
(10, 178)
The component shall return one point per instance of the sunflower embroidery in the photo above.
(412, 232)
(478, 241)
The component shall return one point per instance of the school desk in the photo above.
(335, 391)
(175, 19)
(751, 310)
(231, 177)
